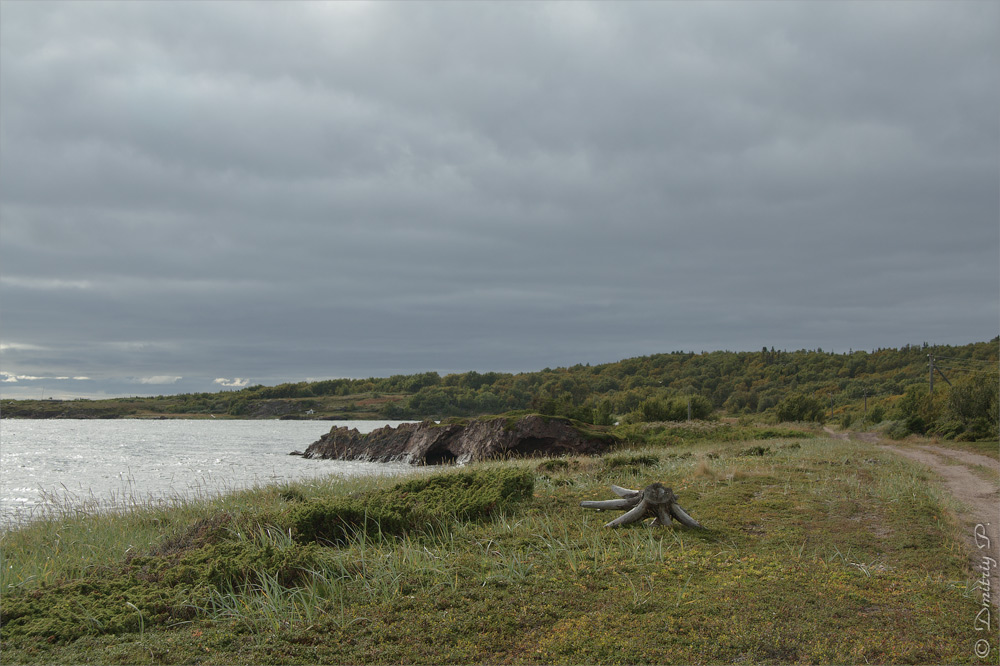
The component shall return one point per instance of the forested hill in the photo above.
(797, 385)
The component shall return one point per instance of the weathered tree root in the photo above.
(654, 500)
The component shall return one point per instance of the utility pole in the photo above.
(866, 404)
(932, 369)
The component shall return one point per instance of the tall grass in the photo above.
(69, 536)
(821, 520)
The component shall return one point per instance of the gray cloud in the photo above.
(275, 191)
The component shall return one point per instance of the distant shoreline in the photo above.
(889, 388)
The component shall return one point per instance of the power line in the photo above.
(965, 360)
(951, 367)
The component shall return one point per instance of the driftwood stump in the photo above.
(654, 500)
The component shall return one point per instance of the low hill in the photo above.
(857, 388)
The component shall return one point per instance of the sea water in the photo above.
(88, 465)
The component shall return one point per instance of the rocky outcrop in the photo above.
(479, 439)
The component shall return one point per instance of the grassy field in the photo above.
(814, 550)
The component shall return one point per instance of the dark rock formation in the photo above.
(432, 443)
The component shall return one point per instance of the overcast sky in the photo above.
(204, 194)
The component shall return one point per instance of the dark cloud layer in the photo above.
(265, 192)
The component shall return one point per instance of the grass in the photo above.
(815, 550)
(670, 433)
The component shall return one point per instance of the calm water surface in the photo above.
(93, 464)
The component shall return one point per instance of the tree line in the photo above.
(854, 389)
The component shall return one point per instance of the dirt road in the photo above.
(973, 480)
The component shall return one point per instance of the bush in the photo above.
(411, 506)
(973, 402)
(551, 466)
(754, 451)
(671, 409)
(334, 521)
(896, 429)
(876, 414)
(915, 409)
(801, 408)
(464, 495)
(635, 462)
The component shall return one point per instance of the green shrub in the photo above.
(916, 410)
(671, 409)
(613, 462)
(549, 466)
(801, 408)
(973, 402)
(335, 521)
(463, 495)
(702, 431)
(411, 506)
(239, 563)
(896, 429)
(776, 433)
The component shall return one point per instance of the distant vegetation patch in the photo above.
(634, 461)
(672, 434)
(755, 451)
(556, 465)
